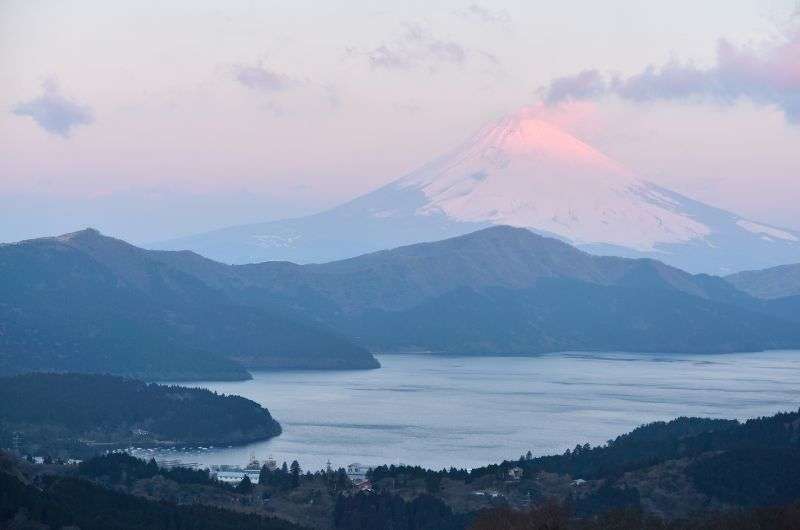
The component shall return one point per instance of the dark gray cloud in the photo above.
(485, 14)
(54, 112)
(262, 78)
(768, 75)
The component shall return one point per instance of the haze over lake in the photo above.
(442, 411)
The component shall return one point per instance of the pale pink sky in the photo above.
(150, 121)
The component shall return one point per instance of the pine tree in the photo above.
(245, 486)
(295, 471)
(263, 475)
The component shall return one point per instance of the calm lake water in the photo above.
(470, 411)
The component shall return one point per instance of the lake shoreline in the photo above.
(466, 411)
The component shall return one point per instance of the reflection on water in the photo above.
(469, 411)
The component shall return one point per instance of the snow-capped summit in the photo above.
(523, 171)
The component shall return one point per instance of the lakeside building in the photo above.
(358, 472)
(515, 474)
(235, 474)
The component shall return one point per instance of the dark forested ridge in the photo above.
(89, 303)
(679, 474)
(554, 516)
(659, 442)
(689, 473)
(569, 315)
(86, 302)
(508, 290)
(57, 413)
(65, 502)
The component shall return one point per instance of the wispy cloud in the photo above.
(417, 46)
(54, 112)
(407, 107)
(283, 91)
(768, 75)
(485, 14)
(262, 78)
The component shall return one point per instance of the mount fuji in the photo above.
(525, 172)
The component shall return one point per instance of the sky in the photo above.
(151, 120)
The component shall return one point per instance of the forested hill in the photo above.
(689, 473)
(89, 303)
(84, 302)
(65, 502)
(508, 290)
(678, 469)
(79, 411)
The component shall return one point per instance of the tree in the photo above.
(433, 483)
(263, 475)
(550, 516)
(342, 480)
(294, 469)
(245, 486)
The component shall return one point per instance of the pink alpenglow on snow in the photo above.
(524, 171)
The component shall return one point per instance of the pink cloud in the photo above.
(767, 75)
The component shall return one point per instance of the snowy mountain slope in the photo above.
(522, 171)
(525, 172)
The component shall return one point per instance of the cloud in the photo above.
(54, 112)
(331, 96)
(385, 57)
(262, 78)
(672, 81)
(485, 15)
(282, 91)
(584, 85)
(407, 107)
(767, 75)
(416, 46)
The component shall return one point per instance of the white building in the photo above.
(358, 472)
(235, 477)
(515, 473)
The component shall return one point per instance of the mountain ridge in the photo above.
(772, 283)
(87, 302)
(523, 171)
(499, 290)
(455, 296)
(499, 256)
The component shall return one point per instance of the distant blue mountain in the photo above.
(523, 172)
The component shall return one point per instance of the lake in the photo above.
(442, 411)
